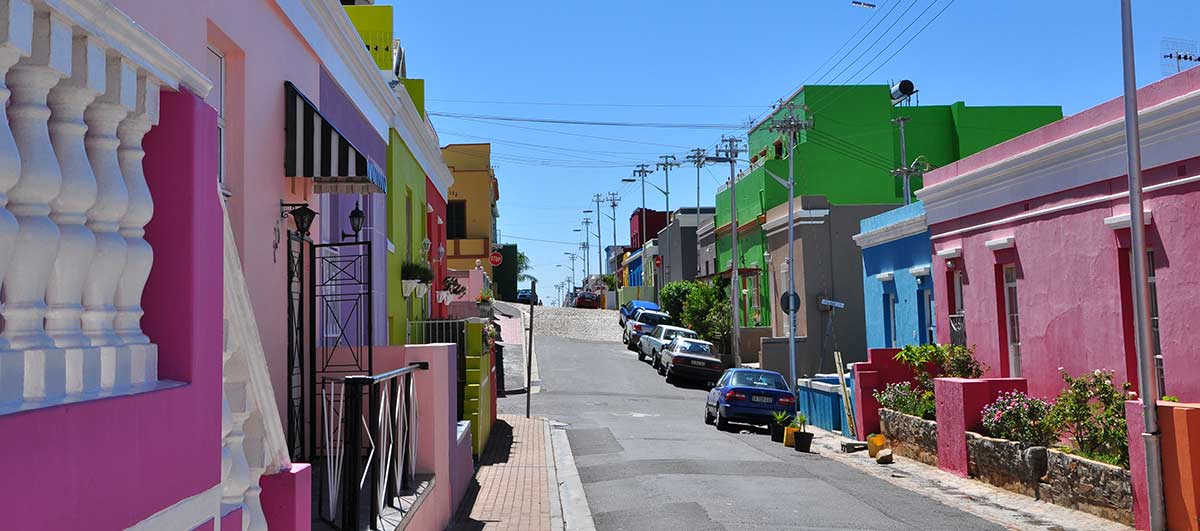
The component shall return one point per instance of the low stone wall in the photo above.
(1089, 486)
(1006, 464)
(909, 436)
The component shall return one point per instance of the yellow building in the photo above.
(471, 206)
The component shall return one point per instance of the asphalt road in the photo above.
(648, 461)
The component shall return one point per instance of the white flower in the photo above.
(1097, 372)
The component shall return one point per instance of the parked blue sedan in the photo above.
(628, 308)
(749, 396)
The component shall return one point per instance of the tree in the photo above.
(524, 264)
(708, 312)
(673, 296)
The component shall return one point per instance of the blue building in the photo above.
(897, 286)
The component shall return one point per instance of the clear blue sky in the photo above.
(721, 63)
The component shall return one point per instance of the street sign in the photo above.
(789, 301)
(495, 259)
(657, 261)
(833, 304)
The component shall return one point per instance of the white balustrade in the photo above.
(16, 40)
(77, 244)
(25, 281)
(139, 255)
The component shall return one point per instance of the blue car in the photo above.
(749, 396)
(628, 308)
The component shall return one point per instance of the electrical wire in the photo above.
(508, 236)
(560, 121)
(587, 104)
(878, 38)
(581, 135)
(902, 32)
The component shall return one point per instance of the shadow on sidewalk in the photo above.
(499, 446)
(462, 517)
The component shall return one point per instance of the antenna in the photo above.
(1179, 55)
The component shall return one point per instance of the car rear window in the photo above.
(672, 334)
(764, 380)
(654, 319)
(696, 348)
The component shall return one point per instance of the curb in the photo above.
(575, 514)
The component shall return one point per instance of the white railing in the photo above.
(81, 81)
(254, 440)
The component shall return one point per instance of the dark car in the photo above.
(587, 299)
(524, 296)
(689, 359)
(749, 396)
(628, 308)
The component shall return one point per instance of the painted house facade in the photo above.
(1031, 244)
(898, 292)
(471, 209)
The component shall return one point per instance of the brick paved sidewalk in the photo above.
(511, 491)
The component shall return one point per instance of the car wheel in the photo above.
(722, 424)
(625, 336)
(661, 370)
(708, 419)
(641, 357)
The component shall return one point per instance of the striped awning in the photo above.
(315, 149)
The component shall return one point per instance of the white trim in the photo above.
(919, 271)
(1000, 244)
(893, 232)
(131, 40)
(886, 276)
(780, 222)
(188, 513)
(1122, 221)
(947, 254)
(1170, 133)
(1067, 206)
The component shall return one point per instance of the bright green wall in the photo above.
(405, 179)
(982, 127)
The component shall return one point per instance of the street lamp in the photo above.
(301, 214)
(357, 217)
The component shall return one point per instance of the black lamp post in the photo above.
(356, 222)
(302, 215)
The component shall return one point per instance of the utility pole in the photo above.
(572, 256)
(666, 165)
(904, 171)
(696, 157)
(730, 154)
(583, 246)
(642, 171)
(613, 200)
(1148, 389)
(789, 126)
(597, 198)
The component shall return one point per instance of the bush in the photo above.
(416, 271)
(1091, 411)
(908, 399)
(674, 295)
(936, 361)
(610, 282)
(1017, 416)
(707, 312)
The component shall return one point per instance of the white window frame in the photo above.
(1012, 319)
(926, 302)
(893, 336)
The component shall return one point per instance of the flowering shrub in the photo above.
(1092, 412)
(935, 361)
(907, 399)
(1017, 416)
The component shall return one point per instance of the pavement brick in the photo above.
(511, 490)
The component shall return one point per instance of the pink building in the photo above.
(147, 352)
(1032, 244)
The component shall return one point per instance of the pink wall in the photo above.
(287, 498)
(262, 50)
(114, 462)
(1071, 280)
(880, 369)
(438, 451)
(960, 403)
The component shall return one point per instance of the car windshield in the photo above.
(764, 380)
(672, 334)
(653, 318)
(692, 347)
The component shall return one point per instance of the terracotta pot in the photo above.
(875, 443)
(789, 436)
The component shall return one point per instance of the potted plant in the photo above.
(414, 277)
(780, 421)
(803, 438)
(484, 300)
(789, 432)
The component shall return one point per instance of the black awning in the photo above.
(315, 149)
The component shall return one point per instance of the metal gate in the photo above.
(295, 348)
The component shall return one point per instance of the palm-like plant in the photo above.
(524, 264)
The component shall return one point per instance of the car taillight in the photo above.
(734, 395)
(678, 360)
(787, 401)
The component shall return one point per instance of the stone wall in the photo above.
(1089, 486)
(909, 436)
(1006, 464)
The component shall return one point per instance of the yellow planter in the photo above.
(789, 436)
(875, 443)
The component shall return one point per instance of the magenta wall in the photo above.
(110, 463)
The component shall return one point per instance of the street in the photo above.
(648, 461)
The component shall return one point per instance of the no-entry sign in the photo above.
(495, 258)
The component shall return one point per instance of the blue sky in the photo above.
(709, 62)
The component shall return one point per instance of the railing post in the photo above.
(352, 447)
(376, 461)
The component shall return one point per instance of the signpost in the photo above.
(789, 302)
(495, 258)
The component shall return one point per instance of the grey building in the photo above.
(707, 261)
(677, 243)
(828, 266)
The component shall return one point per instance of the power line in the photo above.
(508, 236)
(665, 125)
(883, 49)
(878, 38)
(567, 133)
(590, 104)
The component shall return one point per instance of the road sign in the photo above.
(495, 259)
(833, 304)
(658, 261)
(789, 302)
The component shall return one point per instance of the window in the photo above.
(765, 380)
(889, 300)
(456, 220)
(1153, 296)
(959, 308)
(1013, 320)
(408, 226)
(216, 99)
(927, 313)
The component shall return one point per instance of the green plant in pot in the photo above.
(803, 438)
(415, 277)
(779, 421)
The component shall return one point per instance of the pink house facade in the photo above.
(1031, 244)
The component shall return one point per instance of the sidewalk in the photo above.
(511, 491)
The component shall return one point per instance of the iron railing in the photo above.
(958, 330)
(443, 331)
(383, 464)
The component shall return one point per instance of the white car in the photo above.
(642, 322)
(650, 344)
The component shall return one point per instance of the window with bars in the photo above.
(1012, 320)
(456, 220)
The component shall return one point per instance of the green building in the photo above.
(847, 156)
